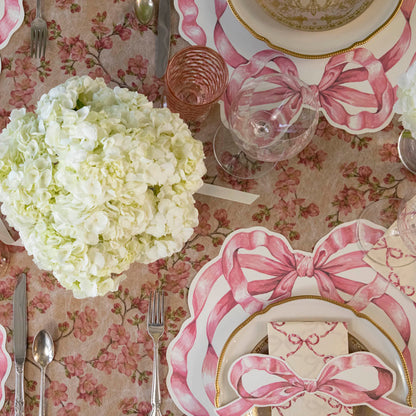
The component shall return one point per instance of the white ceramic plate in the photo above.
(5, 363)
(11, 17)
(246, 336)
(256, 268)
(318, 44)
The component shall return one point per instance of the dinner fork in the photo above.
(155, 328)
(38, 34)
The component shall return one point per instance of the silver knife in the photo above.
(20, 341)
(163, 38)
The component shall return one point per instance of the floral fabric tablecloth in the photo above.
(103, 355)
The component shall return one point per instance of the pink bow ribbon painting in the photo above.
(333, 381)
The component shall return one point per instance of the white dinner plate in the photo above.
(247, 336)
(314, 44)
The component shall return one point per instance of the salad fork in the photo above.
(155, 328)
(38, 34)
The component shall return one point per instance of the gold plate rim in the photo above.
(315, 56)
(312, 297)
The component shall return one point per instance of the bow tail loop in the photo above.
(331, 381)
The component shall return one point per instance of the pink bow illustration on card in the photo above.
(333, 381)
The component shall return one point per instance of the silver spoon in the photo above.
(144, 10)
(43, 351)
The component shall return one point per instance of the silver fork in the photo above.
(155, 328)
(38, 34)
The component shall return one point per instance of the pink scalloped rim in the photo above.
(11, 20)
(257, 267)
(5, 364)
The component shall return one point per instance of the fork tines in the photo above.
(38, 38)
(156, 308)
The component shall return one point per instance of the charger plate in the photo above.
(256, 268)
(249, 334)
(314, 44)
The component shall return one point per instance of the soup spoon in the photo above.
(144, 10)
(43, 352)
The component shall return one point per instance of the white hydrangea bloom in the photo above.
(406, 99)
(97, 179)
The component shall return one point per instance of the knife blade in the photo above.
(19, 341)
(163, 38)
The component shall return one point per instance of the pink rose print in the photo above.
(90, 391)
(285, 209)
(56, 392)
(106, 362)
(116, 336)
(312, 157)
(21, 96)
(6, 312)
(75, 365)
(69, 409)
(349, 198)
(85, 323)
(137, 66)
(288, 181)
(128, 358)
(42, 302)
(177, 276)
(222, 217)
(7, 288)
(389, 153)
(98, 28)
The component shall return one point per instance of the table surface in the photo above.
(103, 357)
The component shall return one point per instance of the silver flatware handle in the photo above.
(155, 398)
(19, 394)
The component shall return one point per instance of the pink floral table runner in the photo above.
(103, 355)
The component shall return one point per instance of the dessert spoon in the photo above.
(144, 10)
(43, 352)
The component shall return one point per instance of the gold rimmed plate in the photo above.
(297, 37)
(364, 333)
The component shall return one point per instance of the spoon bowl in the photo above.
(144, 10)
(43, 352)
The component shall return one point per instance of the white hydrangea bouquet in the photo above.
(406, 100)
(96, 179)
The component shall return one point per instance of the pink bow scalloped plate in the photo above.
(256, 268)
(355, 89)
(5, 364)
(11, 17)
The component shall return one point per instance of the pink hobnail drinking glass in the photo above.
(195, 79)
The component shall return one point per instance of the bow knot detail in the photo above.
(304, 265)
(310, 386)
(332, 381)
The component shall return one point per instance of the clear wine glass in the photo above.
(395, 243)
(406, 147)
(272, 118)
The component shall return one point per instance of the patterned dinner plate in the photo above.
(5, 364)
(257, 268)
(262, 19)
(11, 17)
(247, 336)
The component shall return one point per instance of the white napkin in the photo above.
(306, 347)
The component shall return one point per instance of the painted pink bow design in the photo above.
(11, 20)
(249, 272)
(330, 382)
(336, 92)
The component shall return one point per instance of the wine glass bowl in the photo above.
(272, 118)
(406, 147)
(406, 223)
(395, 243)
